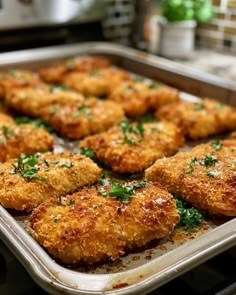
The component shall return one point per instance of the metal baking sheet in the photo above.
(147, 269)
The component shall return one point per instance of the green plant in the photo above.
(183, 10)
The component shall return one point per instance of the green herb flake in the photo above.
(210, 160)
(84, 110)
(88, 152)
(129, 129)
(189, 216)
(71, 202)
(46, 162)
(38, 122)
(59, 87)
(216, 144)
(54, 109)
(27, 167)
(57, 218)
(1, 140)
(229, 165)
(12, 72)
(64, 163)
(191, 169)
(6, 132)
(212, 173)
(154, 129)
(123, 192)
(155, 85)
(138, 79)
(198, 106)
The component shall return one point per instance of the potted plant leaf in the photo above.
(178, 23)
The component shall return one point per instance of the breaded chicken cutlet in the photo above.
(204, 176)
(26, 138)
(56, 72)
(31, 100)
(137, 98)
(132, 147)
(200, 119)
(100, 82)
(88, 227)
(80, 120)
(29, 180)
(17, 79)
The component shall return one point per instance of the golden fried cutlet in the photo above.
(98, 83)
(133, 147)
(200, 119)
(6, 120)
(204, 176)
(80, 120)
(88, 227)
(29, 180)
(17, 79)
(25, 138)
(137, 98)
(31, 100)
(55, 72)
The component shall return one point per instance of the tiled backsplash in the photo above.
(220, 32)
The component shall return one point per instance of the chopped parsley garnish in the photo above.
(212, 173)
(138, 79)
(83, 110)
(155, 85)
(127, 128)
(147, 118)
(71, 202)
(210, 160)
(64, 163)
(59, 87)
(189, 217)
(27, 167)
(216, 144)
(12, 72)
(198, 106)
(229, 165)
(54, 108)
(6, 132)
(123, 192)
(88, 152)
(38, 122)
(46, 162)
(57, 218)
(191, 169)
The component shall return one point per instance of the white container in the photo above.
(177, 39)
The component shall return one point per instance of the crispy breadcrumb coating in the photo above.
(204, 176)
(137, 98)
(31, 100)
(17, 79)
(88, 227)
(100, 82)
(24, 187)
(128, 152)
(6, 120)
(80, 120)
(25, 138)
(200, 119)
(54, 73)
